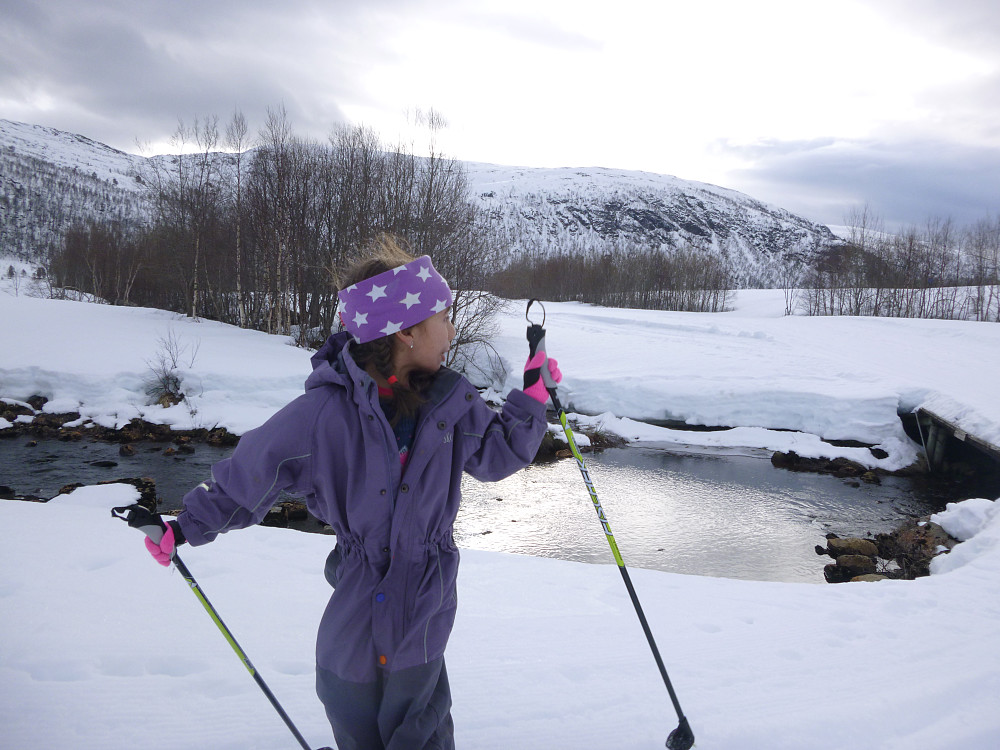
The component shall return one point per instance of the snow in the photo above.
(100, 647)
(70, 151)
(95, 359)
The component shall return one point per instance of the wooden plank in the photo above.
(984, 446)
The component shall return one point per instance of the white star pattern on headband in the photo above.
(393, 301)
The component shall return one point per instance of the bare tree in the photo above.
(186, 191)
(236, 140)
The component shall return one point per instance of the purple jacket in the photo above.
(395, 600)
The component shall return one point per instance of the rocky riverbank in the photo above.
(29, 419)
(905, 553)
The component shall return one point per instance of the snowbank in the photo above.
(753, 369)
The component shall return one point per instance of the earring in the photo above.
(411, 344)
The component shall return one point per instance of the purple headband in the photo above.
(394, 300)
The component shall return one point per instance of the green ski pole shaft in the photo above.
(681, 738)
(615, 551)
(227, 633)
(152, 525)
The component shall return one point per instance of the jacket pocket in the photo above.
(331, 569)
(441, 618)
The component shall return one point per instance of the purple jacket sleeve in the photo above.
(273, 457)
(508, 440)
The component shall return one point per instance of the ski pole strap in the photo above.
(536, 331)
(139, 517)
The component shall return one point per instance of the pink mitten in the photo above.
(163, 551)
(540, 374)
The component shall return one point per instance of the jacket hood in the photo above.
(332, 364)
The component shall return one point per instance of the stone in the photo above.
(37, 402)
(296, 510)
(851, 546)
(838, 467)
(857, 565)
(11, 412)
(833, 573)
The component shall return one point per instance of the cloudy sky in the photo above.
(814, 106)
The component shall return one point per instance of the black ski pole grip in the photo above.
(141, 518)
(536, 339)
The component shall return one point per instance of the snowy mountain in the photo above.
(592, 208)
(50, 179)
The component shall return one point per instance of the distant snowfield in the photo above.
(753, 369)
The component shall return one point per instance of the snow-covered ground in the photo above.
(102, 648)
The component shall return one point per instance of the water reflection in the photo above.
(731, 516)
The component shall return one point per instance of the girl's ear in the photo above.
(405, 338)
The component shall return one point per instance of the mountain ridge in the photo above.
(51, 178)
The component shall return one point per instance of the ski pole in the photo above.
(681, 738)
(152, 526)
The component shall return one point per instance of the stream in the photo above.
(717, 514)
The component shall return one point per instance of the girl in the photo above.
(377, 445)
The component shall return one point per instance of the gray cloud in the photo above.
(121, 71)
(904, 182)
(118, 71)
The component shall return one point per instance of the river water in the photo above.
(712, 514)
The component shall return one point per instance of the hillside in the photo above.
(592, 208)
(50, 179)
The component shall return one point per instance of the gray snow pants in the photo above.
(405, 710)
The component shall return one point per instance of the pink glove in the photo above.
(163, 551)
(540, 374)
